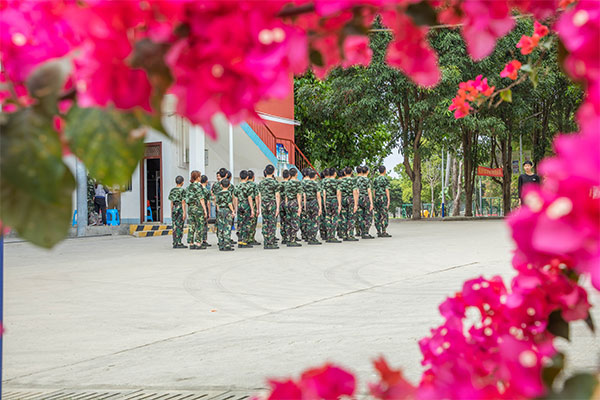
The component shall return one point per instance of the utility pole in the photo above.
(231, 151)
(82, 211)
(443, 185)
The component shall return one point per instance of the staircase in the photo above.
(296, 156)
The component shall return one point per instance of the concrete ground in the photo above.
(124, 313)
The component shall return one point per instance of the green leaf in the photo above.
(37, 187)
(557, 325)
(45, 84)
(534, 77)
(506, 95)
(580, 386)
(316, 58)
(150, 56)
(422, 13)
(550, 372)
(109, 142)
(526, 68)
(590, 323)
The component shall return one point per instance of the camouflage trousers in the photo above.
(303, 223)
(292, 220)
(364, 215)
(244, 223)
(224, 222)
(283, 222)
(253, 222)
(322, 226)
(347, 217)
(312, 219)
(177, 221)
(269, 221)
(381, 213)
(195, 224)
(331, 218)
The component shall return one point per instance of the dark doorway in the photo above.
(153, 192)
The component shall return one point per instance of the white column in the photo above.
(231, 150)
(82, 208)
(197, 149)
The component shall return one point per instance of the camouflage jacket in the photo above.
(268, 189)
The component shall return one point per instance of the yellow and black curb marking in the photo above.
(148, 227)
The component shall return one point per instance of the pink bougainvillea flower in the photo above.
(579, 30)
(32, 32)
(521, 368)
(284, 390)
(539, 29)
(410, 50)
(460, 107)
(356, 51)
(392, 384)
(232, 72)
(541, 9)
(528, 43)
(484, 22)
(511, 70)
(328, 382)
(328, 7)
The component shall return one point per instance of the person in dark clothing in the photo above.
(100, 201)
(528, 177)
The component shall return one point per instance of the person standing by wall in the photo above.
(100, 194)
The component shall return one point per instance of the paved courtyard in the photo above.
(126, 313)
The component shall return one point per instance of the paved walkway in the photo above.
(126, 313)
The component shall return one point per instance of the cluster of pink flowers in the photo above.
(227, 56)
(511, 70)
(529, 43)
(328, 382)
(468, 92)
(494, 339)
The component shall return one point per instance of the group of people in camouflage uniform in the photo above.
(335, 204)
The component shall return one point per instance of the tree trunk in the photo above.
(457, 171)
(416, 186)
(469, 141)
(432, 200)
(506, 146)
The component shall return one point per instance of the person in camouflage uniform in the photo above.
(196, 211)
(355, 229)
(313, 206)
(340, 226)
(176, 195)
(269, 201)
(349, 205)
(322, 226)
(333, 204)
(254, 187)
(293, 193)
(381, 202)
(224, 200)
(216, 187)
(245, 211)
(365, 202)
(303, 223)
(285, 174)
(207, 197)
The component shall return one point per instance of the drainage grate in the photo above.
(35, 394)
